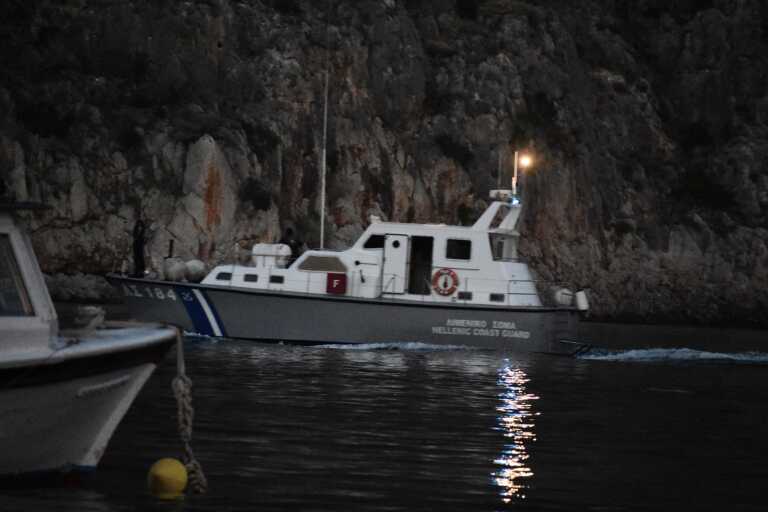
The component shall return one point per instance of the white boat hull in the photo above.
(65, 426)
(277, 316)
(58, 414)
(62, 393)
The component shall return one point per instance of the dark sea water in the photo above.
(411, 427)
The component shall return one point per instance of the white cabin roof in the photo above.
(485, 224)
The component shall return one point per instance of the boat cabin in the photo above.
(28, 321)
(418, 262)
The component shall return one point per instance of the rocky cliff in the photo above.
(647, 118)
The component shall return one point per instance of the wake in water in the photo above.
(675, 355)
(406, 346)
(195, 337)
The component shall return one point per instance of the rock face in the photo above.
(648, 122)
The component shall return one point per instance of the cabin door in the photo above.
(395, 269)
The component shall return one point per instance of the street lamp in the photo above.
(524, 161)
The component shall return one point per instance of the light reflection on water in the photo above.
(516, 414)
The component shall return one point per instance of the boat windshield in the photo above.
(502, 247)
(499, 217)
(14, 300)
(323, 264)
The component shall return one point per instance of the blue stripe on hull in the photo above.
(216, 316)
(195, 311)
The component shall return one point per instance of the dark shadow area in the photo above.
(454, 150)
(698, 187)
(289, 7)
(254, 193)
(696, 135)
(421, 265)
(467, 9)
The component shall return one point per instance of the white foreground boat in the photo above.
(62, 394)
(428, 283)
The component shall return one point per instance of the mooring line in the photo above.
(182, 390)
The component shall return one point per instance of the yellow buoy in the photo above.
(167, 478)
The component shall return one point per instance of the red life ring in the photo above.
(445, 281)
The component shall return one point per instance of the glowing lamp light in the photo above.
(522, 160)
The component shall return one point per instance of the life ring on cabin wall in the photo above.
(445, 281)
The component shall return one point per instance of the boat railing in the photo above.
(386, 287)
(470, 290)
(513, 292)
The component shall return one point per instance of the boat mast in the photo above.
(325, 135)
(322, 169)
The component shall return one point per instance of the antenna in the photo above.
(498, 172)
(514, 178)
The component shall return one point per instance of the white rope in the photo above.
(182, 390)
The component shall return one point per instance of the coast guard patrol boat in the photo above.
(400, 282)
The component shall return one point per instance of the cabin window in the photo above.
(251, 278)
(323, 264)
(276, 279)
(374, 242)
(465, 295)
(14, 300)
(458, 249)
(498, 243)
(497, 297)
(224, 276)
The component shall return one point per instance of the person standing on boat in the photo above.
(290, 240)
(139, 240)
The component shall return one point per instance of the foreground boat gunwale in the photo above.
(52, 371)
(76, 345)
